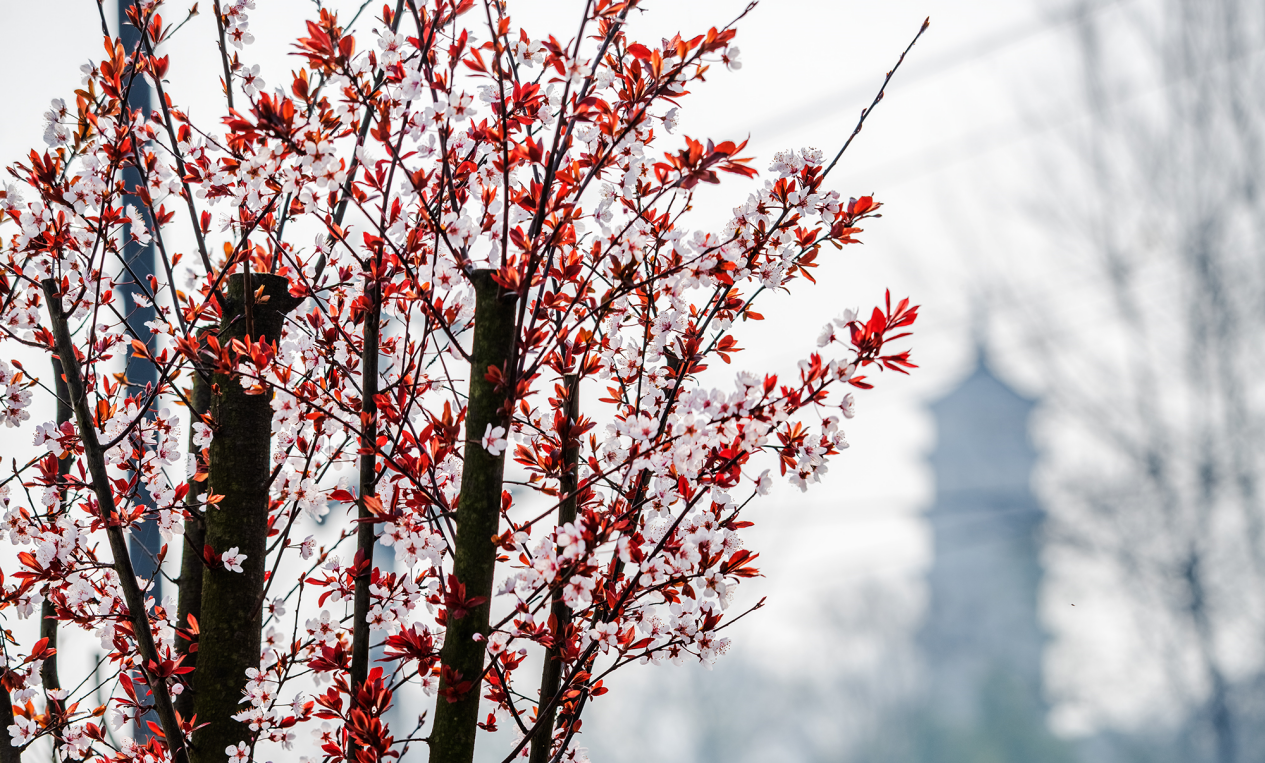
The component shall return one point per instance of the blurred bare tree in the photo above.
(1151, 342)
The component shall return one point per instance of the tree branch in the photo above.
(95, 459)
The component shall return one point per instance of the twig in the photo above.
(866, 111)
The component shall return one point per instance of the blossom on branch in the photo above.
(441, 223)
(233, 559)
(494, 441)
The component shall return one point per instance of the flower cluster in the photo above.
(17, 395)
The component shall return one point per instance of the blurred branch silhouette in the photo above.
(1154, 444)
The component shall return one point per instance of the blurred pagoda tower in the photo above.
(982, 640)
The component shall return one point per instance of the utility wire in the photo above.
(843, 98)
(1004, 133)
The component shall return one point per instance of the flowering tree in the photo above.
(441, 289)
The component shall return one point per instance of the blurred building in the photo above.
(982, 640)
(981, 626)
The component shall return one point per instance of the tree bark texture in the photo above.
(368, 480)
(478, 517)
(551, 676)
(8, 753)
(232, 602)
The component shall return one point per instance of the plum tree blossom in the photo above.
(438, 292)
(494, 441)
(233, 559)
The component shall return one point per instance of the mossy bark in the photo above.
(232, 602)
(190, 583)
(478, 517)
(551, 675)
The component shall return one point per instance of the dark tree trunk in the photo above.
(542, 737)
(8, 753)
(232, 602)
(368, 479)
(478, 518)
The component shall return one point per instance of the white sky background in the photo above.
(987, 88)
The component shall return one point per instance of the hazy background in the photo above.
(1071, 193)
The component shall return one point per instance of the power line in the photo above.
(811, 111)
(1009, 132)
